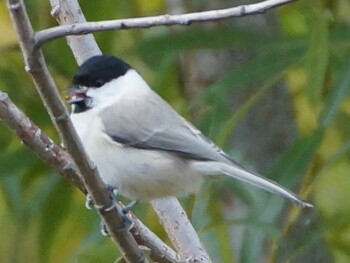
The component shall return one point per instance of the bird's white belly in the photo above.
(138, 174)
(142, 174)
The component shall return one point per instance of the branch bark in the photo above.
(36, 66)
(81, 27)
(180, 230)
(160, 252)
(164, 208)
(32, 136)
(69, 13)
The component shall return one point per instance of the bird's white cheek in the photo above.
(81, 123)
(103, 96)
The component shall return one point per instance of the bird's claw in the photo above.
(126, 209)
(89, 203)
(127, 222)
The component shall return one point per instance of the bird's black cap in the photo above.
(99, 70)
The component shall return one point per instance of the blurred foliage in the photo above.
(42, 217)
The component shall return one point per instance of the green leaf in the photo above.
(318, 52)
(337, 94)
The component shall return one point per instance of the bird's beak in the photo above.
(76, 94)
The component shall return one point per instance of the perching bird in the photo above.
(139, 143)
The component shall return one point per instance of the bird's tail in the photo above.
(212, 168)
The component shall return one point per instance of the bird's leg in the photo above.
(127, 223)
(89, 203)
(126, 209)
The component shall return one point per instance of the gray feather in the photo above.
(154, 125)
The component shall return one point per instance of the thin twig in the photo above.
(82, 28)
(36, 66)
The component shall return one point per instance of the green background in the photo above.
(271, 89)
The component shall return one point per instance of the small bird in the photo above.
(139, 143)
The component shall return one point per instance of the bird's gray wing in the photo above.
(150, 123)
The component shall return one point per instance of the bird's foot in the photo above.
(127, 222)
(89, 203)
(126, 209)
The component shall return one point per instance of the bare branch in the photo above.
(160, 252)
(32, 136)
(69, 12)
(35, 65)
(169, 208)
(180, 230)
(60, 161)
(79, 27)
(83, 47)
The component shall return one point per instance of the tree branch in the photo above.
(160, 252)
(165, 208)
(180, 230)
(32, 136)
(80, 27)
(67, 13)
(84, 47)
(36, 66)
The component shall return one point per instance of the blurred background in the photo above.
(271, 89)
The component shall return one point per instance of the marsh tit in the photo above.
(139, 143)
